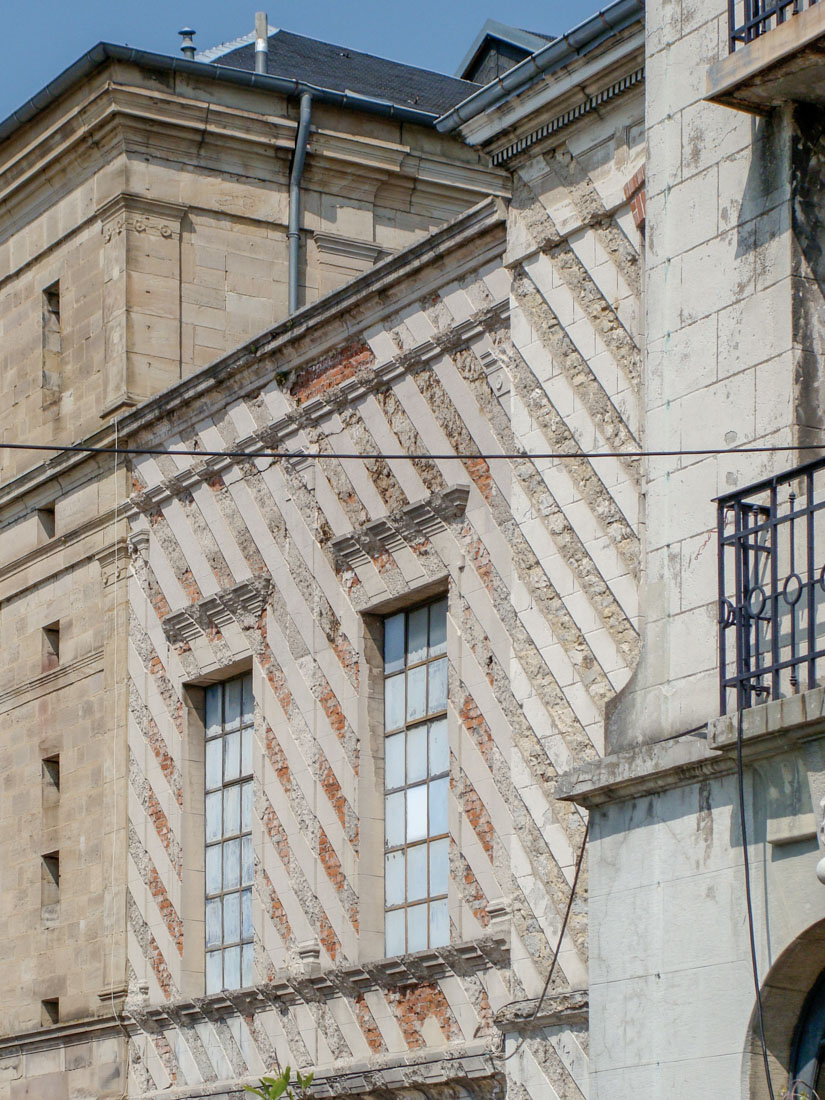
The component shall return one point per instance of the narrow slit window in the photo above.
(51, 646)
(46, 523)
(50, 774)
(50, 887)
(229, 720)
(417, 779)
(52, 343)
(50, 1012)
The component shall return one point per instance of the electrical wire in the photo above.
(740, 774)
(461, 456)
(531, 1018)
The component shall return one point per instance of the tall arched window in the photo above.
(808, 1055)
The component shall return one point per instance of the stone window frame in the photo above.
(370, 942)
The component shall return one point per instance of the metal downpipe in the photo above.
(294, 229)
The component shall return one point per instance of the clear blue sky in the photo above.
(42, 37)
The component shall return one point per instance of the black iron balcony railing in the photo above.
(772, 587)
(759, 16)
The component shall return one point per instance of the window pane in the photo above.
(439, 866)
(417, 872)
(231, 756)
(417, 813)
(246, 752)
(247, 965)
(417, 636)
(438, 685)
(246, 807)
(394, 643)
(416, 693)
(232, 704)
(231, 810)
(246, 915)
(439, 923)
(214, 699)
(417, 754)
(438, 806)
(394, 878)
(417, 927)
(394, 932)
(439, 749)
(247, 862)
(214, 977)
(213, 922)
(394, 819)
(232, 968)
(231, 918)
(394, 761)
(213, 816)
(213, 869)
(394, 702)
(248, 704)
(213, 764)
(438, 628)
(231, 864)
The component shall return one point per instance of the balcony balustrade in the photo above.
(772, 587)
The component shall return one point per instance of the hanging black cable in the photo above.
(740, 773)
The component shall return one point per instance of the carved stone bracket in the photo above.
(242, 604)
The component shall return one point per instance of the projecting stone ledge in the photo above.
(784, 64)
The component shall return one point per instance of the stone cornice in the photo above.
(242, 604)
(59, 1035)
(557, 1010)
(55, 679)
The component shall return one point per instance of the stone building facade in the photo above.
(385, 449)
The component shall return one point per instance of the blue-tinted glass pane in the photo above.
(247, 861)
(214, 977)
(213, 816)
(394, 702)
(394, 761)
(438, 685)
(394, 819)
(213, 922)
(232, 704)
(439, 749)
(439, 866)
(231, 810)
(231, 756)
(246, 807)
(417, 927)
(417, 813)
(394, 932)
(231, 864)
(438, 628)
(246, 915)
(214, 699)
(394, 878)
(439, 923)
(417, 754)
(232, 968)
(416, 693)
(248, 703)
(246, 751)
(213, 869)
(438, 806)
(394, 643)
(417, 636)
(231, 918)
(247, 965)
(213, 764)
(417, 872)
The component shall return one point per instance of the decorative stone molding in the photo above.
(367, 252)
(127, 212)
(114, 562)
(406, 525)
(138, 543)
(559, 1009)
(242, 604)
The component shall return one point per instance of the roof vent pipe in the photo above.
(261, 41)
(294, 230)
(187, 47)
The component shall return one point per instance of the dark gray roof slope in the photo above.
(345, 70)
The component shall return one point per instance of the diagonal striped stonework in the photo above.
(510, 334)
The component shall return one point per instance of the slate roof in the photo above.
(345, 70)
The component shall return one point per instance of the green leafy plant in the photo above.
(274, 1087)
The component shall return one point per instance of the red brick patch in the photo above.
(330, 371)
(414, 1005)
(634, 192)
(366, 1021)
(171, 919)
(161, 823)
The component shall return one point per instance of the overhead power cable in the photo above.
(461, 456)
